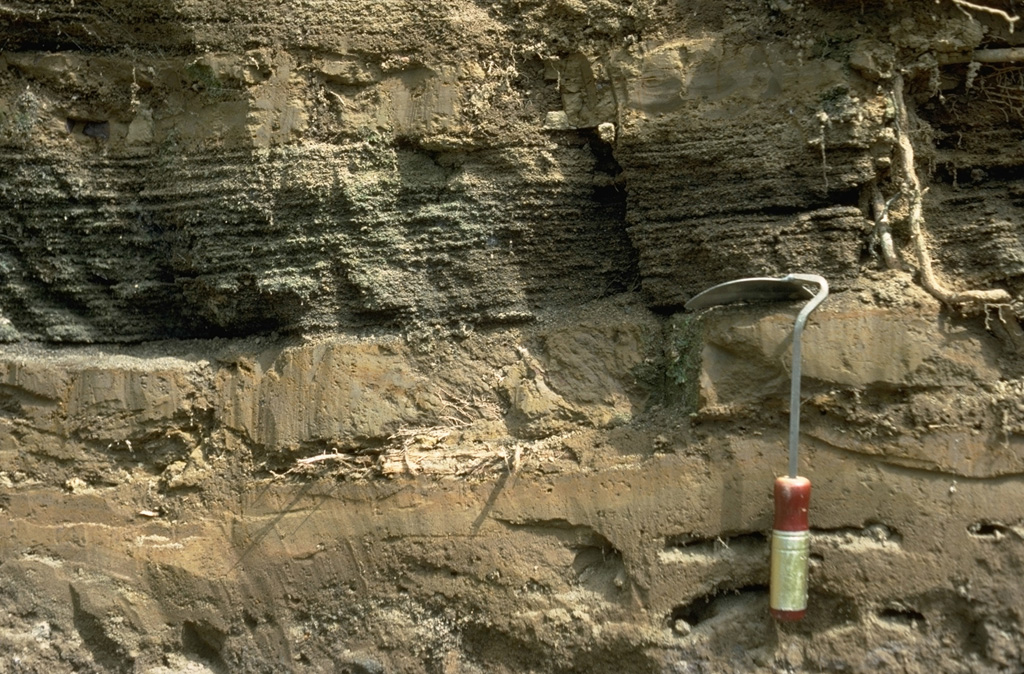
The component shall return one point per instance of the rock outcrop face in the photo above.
(350, 336)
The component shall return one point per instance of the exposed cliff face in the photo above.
(350, 336)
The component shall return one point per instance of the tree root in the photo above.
(966, 301)
(883, 234)
(1006, 326)
(964, 5)
(1004, 55)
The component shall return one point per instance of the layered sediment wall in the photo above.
(350, 336)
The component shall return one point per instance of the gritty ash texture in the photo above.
(349, 336)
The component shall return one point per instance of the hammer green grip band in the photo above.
(789, 570)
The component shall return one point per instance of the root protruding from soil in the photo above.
(964, 5)
(880, 210)
(966, 301)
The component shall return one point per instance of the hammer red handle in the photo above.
(791, 538)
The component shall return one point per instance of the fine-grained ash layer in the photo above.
(349, 336)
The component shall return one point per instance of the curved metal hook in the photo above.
(791, 287)
(794, 388)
